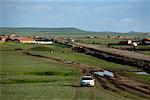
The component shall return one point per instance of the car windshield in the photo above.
(87, 78)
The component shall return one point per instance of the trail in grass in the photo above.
(86, 92)
(89, 91)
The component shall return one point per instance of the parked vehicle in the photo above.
(87, 81)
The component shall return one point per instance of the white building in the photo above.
(43, 42)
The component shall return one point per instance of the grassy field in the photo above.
(31, 78)
(68, 54)
(145, 52)
(25, 77)
(101, 41)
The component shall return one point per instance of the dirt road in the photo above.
(117, 86)
(128, 54)
(114, 55)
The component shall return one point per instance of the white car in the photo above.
(87, 81)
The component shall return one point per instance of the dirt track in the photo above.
(120, 82)
(130, 54)
(115, 55)
(110, 54)
(125, 84)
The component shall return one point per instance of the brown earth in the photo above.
(124, 83)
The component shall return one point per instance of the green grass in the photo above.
(145, 52)
(67, 54)
(24, 77)
(101, 41)
(32, 78)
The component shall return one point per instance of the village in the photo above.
(125, 40)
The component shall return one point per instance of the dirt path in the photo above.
(79, 90)
(120, 82)
(114, 55)
(128, 54)
(83, 71)
(91, 92)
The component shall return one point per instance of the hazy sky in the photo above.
(91, 15)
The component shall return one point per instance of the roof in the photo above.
(24, 38)
(146, 39)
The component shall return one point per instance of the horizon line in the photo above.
(75, 28)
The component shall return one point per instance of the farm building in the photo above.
(18, 39)
(3, 37)
(24, 39)
(125, 42)
(90, 37)
(70, 40)
(146, 41)
(43, 42)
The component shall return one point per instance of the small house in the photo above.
(125, 42)
(70, 40)
(24, 39)
(146, 41)
(43, 42)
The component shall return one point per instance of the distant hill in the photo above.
(35, 31)
(49, 30)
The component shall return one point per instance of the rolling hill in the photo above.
(50, 30)
(30, 31)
